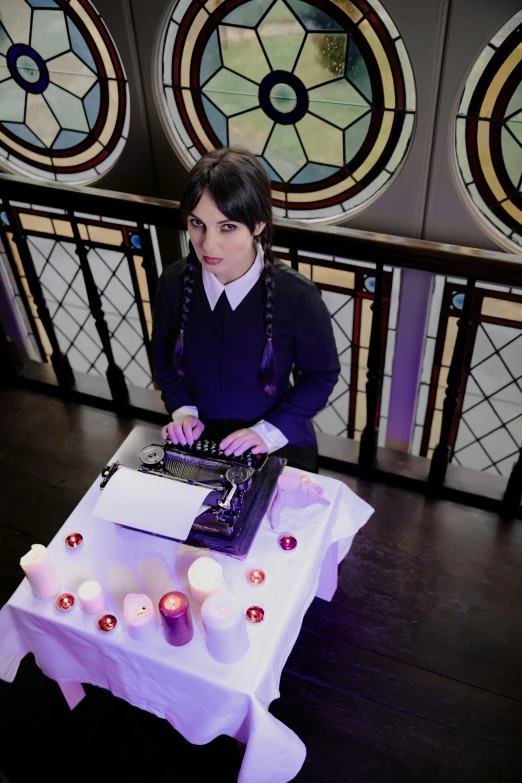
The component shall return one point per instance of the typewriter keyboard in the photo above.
(210, 448)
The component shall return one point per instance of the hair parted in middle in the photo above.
(240, 188)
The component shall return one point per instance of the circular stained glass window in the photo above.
(322, 92)
(488, 136)
(64, 103)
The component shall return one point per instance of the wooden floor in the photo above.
(412, 673)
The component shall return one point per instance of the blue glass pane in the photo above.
(43, 3)
(211, 59)
(79, 46)
(313, 18)
(248, 14)
(369, 284)
(458, 301)
(313, 172)
(4, 218)
(217, 120)
(23, 132)
(91, 104)
(67, 138)
(135, 241)
(269, 170)
(357, 72)
(354, 137)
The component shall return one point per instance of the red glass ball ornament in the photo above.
(256, 576)
(64, 602)
(255, 614)
(74, 540)
(287, 542)
(107, 623)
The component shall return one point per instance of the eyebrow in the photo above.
(220, 222)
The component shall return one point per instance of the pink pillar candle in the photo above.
(138, 612)
(90, 595)
(225, 627)
(176, 619)
(40, 573)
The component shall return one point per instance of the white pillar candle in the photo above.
(138, 612)
(40, 572)
(91, 597)
(225, 627)
(205, 578)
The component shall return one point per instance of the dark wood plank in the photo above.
(411, 672)
(350, 738)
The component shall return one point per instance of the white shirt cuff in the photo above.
(273, 437)
(185, 410)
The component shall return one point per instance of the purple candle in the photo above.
(176, 619)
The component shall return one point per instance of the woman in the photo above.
(231, 324)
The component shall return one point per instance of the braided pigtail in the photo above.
(267, 368)
(188, 287)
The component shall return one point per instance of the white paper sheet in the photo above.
(150, 503)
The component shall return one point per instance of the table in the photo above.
(199, 696)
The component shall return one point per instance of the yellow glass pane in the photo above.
(305, 270)
(349, 9)
(36, 223)
(323, 274)
(362, 371)
(382, 62)
(241, 52)
(498, 81)
(366, 323)
(106, 236)
(251, 130)
(82, 228)
(282, 36)
(376, 152)
(323, 143)
(142, 279)
(441, 396)
(360, 413)
(322, 58)
(188, 46)
(449, 342)
(501, 308)
(16, 255)
(435, 429)
(63, 228)
(288, 263)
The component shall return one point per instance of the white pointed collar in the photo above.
(237, 289)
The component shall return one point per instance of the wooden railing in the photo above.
(300, 239)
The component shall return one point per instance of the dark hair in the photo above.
(240, 188)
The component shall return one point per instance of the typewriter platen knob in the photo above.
(239, 474)
(152, 455)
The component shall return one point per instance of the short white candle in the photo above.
(40, 572)
(205, 578)
(225, 627)
(91, 597)
(138, 612)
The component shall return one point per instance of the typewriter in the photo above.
(240, 489)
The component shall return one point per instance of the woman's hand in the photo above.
(184, 430)
(241, 440)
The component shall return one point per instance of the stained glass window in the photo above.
(488, 136)
(113, 253)
(64, 102)
(347, 288)
(322, 92)
(487, 433)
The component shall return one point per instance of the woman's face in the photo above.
(224, 247)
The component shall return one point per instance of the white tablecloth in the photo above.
(200, 697)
